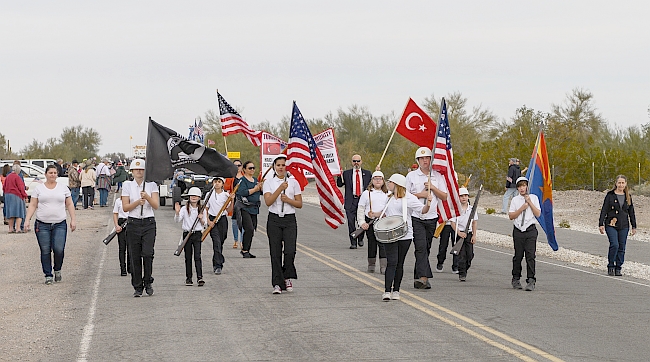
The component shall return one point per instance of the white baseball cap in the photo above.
(137, 164)
(463, 191)
(398, 179)
(195, 191)
(422, 152)
(522, 178)
(378, 174)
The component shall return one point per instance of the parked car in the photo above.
(35, 175)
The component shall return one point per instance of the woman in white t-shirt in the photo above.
(49, 202)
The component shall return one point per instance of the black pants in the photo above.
(250, 224)
(352, 221)
(525, 244)
(282, 229)
(193, 249)
(218, 235)
(395, 255)
(88, 196)
(125, 258)
(140, 240)
(422, 238)
(466, 255)
(373, 245)
(445, 236)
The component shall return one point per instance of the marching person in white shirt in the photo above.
(283, 196)
(188, 216)
(523, 210)
(371, 203)
(219, 223)
(119, 217)
(467, 237)
(139, 200)
(396, 251)
(425, 223)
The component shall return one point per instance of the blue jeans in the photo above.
(617, 241)
(235, 231)
(51, 237)
(510, 193)
(74, 193)
(103, 197)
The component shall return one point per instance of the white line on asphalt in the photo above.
(89, 328)
(571, 268)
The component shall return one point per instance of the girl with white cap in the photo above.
(467, 237)
(139, 200)
(371, 203)
(188, 216)
(396, 251)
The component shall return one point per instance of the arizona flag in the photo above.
(416, 126)
(541, 185)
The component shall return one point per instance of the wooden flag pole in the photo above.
(390, 140)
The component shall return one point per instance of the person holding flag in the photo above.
(283, 196)
(524, 208)
(421, 183)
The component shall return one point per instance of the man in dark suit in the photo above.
(355, 181)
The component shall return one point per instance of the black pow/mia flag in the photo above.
(167, 150)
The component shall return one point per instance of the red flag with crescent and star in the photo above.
(416, 126)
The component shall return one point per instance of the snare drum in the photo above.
(390, 229)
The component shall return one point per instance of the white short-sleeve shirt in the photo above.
(51, 203)
(291, 191)
(461, 221)
(216, 201)
(188, 218)
(132, 190)
(528, 218)
(412, 205)
(415, 181)
(119, 210)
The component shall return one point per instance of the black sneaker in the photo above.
(439, 268)
(610, 272)
(360, 243)
(516, 284)
(188, 281)
(462, 278)
(123, 272)
(353, 246)
(248, 255)
(149, 289)
(137, 293)
(617, 273)
(201, 282)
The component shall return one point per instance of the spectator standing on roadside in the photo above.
(49, 203)
(59, 168)
(15, 196)
(616, 216)
(103, 181)
(74, 182)
(6, 169)
(88, 178)
(511, 188)
(120, 176)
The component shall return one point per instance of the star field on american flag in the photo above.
(225, 108)
(299, 129)
(443, 129)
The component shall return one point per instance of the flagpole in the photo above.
(435, 141)
(389, 141)
(225, 144)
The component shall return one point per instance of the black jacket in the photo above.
(346, 180)
(514, 172)
(613, 209)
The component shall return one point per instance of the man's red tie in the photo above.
(358, 182)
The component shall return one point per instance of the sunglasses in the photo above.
(238, 165)
(356, 161)
(250, 168)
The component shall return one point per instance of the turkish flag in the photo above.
(417, 126)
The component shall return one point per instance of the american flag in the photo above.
(231, 123)
(443, 162)
(304, 155)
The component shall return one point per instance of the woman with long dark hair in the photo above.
(248, 204)
(616, 216)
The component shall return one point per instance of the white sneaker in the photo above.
(394, 296)
(386, 296)
(289, 285)
(277, 290)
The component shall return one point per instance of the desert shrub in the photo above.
(490, 211)
(564, 224)
(643, 189)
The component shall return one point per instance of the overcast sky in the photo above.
(111, 65)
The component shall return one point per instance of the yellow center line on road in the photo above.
(378, 284)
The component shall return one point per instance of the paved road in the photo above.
(336, 312)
